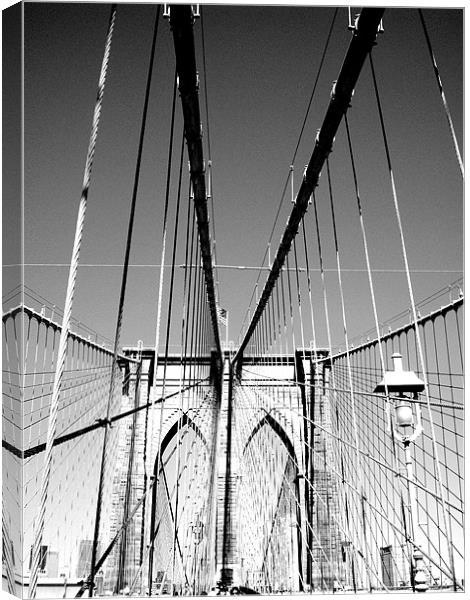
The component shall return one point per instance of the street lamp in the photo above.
(403, 384)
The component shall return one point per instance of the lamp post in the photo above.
(407, 427)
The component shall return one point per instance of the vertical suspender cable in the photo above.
(309, 286)
(416, 328)
(373, 300)
(62, 353)
(122, 297)
(325, 297)
(157, 333)
(374, 306)
(164, 234)
(186, 290)
(360, 472)
(361, 44)
(170, 304)
(367, 257)
(309, 435)
(322, 274)
(320, 67)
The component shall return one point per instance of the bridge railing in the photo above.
(30, 343)
(413, 490)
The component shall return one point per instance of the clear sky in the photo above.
(261, 66)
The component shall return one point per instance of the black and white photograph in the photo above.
(233, 299)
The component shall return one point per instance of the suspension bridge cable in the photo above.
(175, 489)
(146, 475)
(366, 248)
(401, 475)
(320, 67)
(308, 409)
(309, 526)
(160, 300)
(209, 154)
(205, 91)
(309, 287)
(255, 461)
(415, 317)
(183, 38)
(348, 361)
(154, 533)
(173, 517)
(377, 449)
(62, 352)
(326, 307)
(184, 339)
(122, 297)
(116, 537)
(366, 454)
(371, 285)
(130, 476)
(319, 71)
(441, 90)
(232, 267)
(170, 304)
(319, 496)
(186, 290)
(361, 44)
(97, 425)
(164, 232)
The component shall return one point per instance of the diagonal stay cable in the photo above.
(96, 425)
(441, 90)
